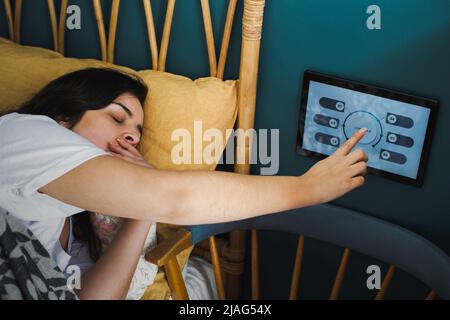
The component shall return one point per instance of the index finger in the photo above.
(353, 141)
(128, 146)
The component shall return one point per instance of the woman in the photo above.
(49, 173)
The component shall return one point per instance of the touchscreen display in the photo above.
(398, 125)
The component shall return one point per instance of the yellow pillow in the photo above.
(174, 102)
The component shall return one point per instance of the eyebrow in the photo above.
(128, 111)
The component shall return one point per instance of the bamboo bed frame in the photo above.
(232, 252)
(164, 255)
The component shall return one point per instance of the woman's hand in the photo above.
(126, 151)
(340, 173)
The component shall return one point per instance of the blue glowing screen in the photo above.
(396, 130)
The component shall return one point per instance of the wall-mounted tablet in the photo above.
(399, 126)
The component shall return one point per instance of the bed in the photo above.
(351, 230)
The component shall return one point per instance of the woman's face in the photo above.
(121, 119)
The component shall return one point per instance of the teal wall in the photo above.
(411, 53)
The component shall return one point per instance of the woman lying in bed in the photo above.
(72, 148)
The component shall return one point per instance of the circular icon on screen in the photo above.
(333, 123)
(340, 106)
(334, 141)
(363, 119)
(392, 138)
(385, 155)
(392, 119)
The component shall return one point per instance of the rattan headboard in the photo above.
(251, 37)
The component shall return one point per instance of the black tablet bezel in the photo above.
(433, 105)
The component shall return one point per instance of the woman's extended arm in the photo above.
(119, 188)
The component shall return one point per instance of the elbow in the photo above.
(176, 211)
(174, 199)
(178, 206)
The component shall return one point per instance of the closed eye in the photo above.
(117, 120)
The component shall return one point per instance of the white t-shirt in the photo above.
(35, 150)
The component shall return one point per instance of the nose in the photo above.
(132, 138)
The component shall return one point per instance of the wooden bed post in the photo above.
(251, 39)
(17, 19)
(9, 19)
(62, 25)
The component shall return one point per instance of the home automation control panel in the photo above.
(398, 125)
